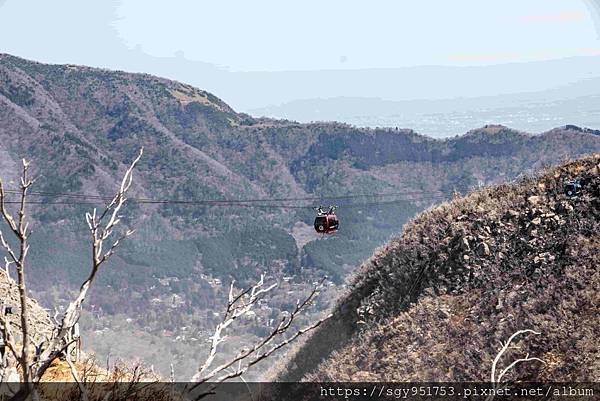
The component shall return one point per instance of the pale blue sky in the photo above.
(254, 53)
(275, 35)
(316, 34)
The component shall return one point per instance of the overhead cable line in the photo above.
(265, 203)
(226, 202)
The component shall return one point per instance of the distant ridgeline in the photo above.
(579, 129)
(80, 126)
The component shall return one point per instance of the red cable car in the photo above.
(326, 222)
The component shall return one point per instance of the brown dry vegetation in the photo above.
(120, 381)
(435, 303)
(121, 378)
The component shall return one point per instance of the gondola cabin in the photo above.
(326, 223)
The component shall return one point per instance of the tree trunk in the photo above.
(26, 341)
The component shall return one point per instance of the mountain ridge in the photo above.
(81, 127)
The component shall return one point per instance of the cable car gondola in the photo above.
(326, 222)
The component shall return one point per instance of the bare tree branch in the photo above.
(20, 230)
(243, 369)
(496, 379)
(514, 363)
(7, 264)
(247, 358)
(234, 310)
(5, 214)
(8, 250)
(74, 373)
(101, 229)
(504, 348)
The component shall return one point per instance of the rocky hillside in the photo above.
(81, 126)
(39, 318)
(10, 307)
(435, 303)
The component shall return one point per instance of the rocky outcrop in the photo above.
(40, 322)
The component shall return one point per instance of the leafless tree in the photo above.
(105, 241)
(237, 306)
(20, 229)
(101, 226)
(496, 378)
(102, 231)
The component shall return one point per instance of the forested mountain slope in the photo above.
(81, 126)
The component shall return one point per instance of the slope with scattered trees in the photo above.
(81, 126)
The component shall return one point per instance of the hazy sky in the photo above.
(256, 53)
(317, 34)
(275, 35)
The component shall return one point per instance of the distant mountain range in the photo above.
(81, 126)
(532, 112)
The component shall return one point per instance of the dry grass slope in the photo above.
(435, 303)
